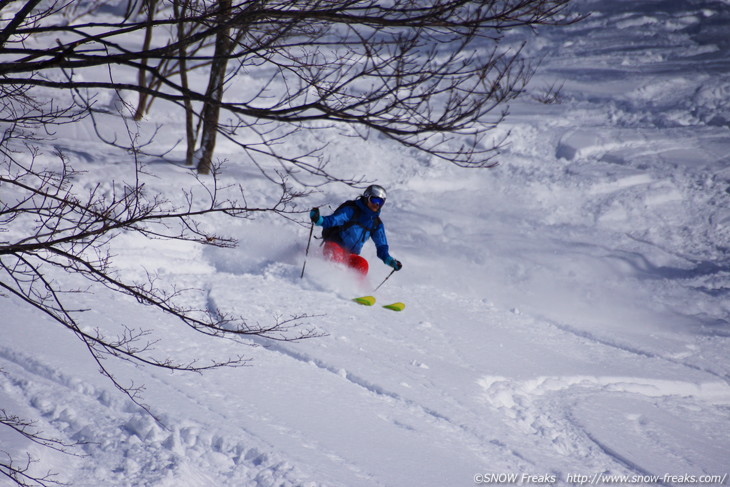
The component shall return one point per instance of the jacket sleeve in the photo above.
(339, 217)
(381, 242)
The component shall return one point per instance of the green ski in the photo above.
(370, 300)
(365, 300)
(395, 306)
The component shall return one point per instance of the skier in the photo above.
(349, 227)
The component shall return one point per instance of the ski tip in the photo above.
(365, 300)
(395, 306)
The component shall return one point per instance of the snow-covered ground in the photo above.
(567, 313)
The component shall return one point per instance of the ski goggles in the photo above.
(376, 201)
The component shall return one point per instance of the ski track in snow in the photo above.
(624, 347)
(132, 448)
(396, 402)
(540, 408)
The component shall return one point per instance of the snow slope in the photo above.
(567, 312)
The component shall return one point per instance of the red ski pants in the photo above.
(335, 253)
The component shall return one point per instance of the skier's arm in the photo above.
(338, 218)
(381, 243)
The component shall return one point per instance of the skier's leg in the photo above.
(359, 264)
(334, 252)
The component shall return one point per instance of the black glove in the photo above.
(314, 215)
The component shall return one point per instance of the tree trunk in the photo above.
(143, 104)
(180, 8)
(214, 93)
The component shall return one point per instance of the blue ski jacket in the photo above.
(357, 226)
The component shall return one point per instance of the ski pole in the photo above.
(311, 230)
(388, 277)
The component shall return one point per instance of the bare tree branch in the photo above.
(20, 473)
(47, 226)
(431, 76)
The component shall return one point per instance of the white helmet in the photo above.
(374, 191)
